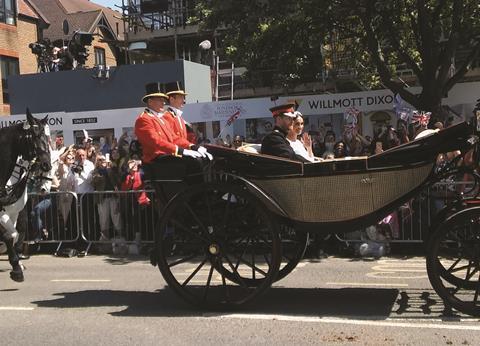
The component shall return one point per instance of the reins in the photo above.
(9, 194)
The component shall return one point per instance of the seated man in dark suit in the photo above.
(276, 142)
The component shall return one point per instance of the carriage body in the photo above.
(339, 194)
(246, 224)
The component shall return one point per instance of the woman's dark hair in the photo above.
(121, 147)
(135, 148)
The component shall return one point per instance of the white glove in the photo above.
(191, 153)
(205, 153)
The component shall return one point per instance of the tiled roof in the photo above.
(81, 15)
(26, 10)
(35, 9)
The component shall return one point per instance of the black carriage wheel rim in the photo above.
(212, 240)
(458, 284)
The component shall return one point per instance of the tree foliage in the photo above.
(275, 39)
(296, 41)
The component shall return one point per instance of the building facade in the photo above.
(20, 25)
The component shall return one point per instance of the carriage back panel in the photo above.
(343, 197)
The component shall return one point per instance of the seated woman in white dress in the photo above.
(303, 146)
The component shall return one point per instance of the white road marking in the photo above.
(402, 262)
(389, 269)
(387, 275)
(407, 268)
(397, 323)
(15, 308)
(365, 284)
(80, 280)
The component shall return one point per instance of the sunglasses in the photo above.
(70, 158)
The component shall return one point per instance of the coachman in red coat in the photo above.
(155, 133)
(158, 140)
(173, 115)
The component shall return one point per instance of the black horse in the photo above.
(26, 154)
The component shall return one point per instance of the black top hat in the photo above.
(287, 109)
(173, 88)
(154, 90)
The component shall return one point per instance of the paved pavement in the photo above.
(108, 300)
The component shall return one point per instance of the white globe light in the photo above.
(205, 45)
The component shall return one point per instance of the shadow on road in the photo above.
(357, 302)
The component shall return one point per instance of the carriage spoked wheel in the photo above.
(453, 261)
(293, 244)
(212, 239)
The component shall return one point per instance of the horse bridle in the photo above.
(27, 137)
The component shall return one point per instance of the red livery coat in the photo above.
(176, 122)
(157, 138)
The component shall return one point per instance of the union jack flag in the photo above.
(422, 118)
(402, 109)
(352, 113)
(233, 117)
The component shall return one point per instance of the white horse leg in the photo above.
(8, 218)
(8, 227)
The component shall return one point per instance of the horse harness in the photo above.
(16, 184)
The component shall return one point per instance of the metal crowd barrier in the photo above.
(115, 217)
(414, 218)
(105, 217)
(50, 218)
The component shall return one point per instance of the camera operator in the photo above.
(65, 59)
(83, 172)
(43, 50)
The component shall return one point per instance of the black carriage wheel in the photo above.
(453, 261)
(449, 272)
(294, 244)
(213, 229)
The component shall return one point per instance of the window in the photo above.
(8, 67)
(7, 12)
(99, 56)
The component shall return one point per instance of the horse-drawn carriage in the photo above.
(244, 222)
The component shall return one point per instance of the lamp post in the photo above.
(125, 33)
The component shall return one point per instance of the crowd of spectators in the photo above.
(84, 171)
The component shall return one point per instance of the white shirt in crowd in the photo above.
(84, 178)
(299, 149)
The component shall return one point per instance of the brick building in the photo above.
(18, 27)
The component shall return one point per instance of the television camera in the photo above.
(43, 50)
(70, 57)
(77, 47)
